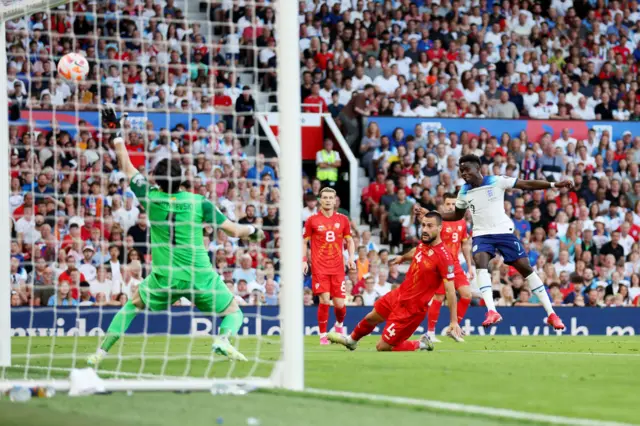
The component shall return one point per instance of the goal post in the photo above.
(290, 166)
(35, 358)
(5, 253)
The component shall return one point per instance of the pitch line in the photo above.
(319, 351)
(467, 409)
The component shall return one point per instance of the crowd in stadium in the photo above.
(79, 236)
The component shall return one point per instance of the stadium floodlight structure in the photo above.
(47, 356)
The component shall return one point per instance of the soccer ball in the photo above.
(73, 67)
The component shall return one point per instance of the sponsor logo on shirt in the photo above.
(321, 228)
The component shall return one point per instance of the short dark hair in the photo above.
(448, 196)
(434, 215)
(168, 175)
(470, 158)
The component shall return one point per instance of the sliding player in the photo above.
(454, 237)
(493, 232)
(327, 229)
(180, 263)
(405, 307)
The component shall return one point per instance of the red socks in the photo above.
(463, 305)
(323, 317)
(340, 313)
(362, 329)
(407, 346)
(433, 313)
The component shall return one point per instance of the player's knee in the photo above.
(383, 346)
(465, 292)
(338, 303)
(324, 298)
(137, 301)
(373, 318)
(232, 308)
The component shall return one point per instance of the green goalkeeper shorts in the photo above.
(209, 293)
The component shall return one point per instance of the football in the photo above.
(73, 67)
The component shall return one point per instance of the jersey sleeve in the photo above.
(307, 229)
(212, 214)
(445, 265)
(505, 182)
(141, 188)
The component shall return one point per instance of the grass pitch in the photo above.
(580, 377)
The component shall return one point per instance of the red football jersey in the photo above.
(327, 235)
(429, 267)
(452, 235)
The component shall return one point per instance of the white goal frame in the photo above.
(288, 372)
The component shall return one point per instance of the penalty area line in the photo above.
(465, 408)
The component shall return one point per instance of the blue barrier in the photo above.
(68, 120)
(264, 321)
(534, 128)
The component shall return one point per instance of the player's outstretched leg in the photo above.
(233, 318)
(213, 296)
(537, 287)
(117, 328)
(433, 313)
(364, 328)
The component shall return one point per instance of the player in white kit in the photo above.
(493, 232)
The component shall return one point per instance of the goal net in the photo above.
(191, 76)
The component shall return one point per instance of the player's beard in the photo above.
(428, 239)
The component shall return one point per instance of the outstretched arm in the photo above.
(236, 230)
(214, 216)
(541, 184)
(403, 258)
(113, 124)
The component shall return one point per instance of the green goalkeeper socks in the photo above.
(231, 323)
(119, 325)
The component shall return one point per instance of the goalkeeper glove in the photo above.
(110, 121)
(257, 235)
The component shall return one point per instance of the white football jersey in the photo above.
(486, 203)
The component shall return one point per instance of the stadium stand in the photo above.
(79, 236)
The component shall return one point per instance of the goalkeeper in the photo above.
(180, 265)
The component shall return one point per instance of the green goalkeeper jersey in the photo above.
(177, 222)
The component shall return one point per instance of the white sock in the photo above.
(537, 287)
(350, 340)
(323, 335)
(102, 352)
(484, 284)
(338, 324)
(431, 333)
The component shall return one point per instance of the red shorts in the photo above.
(459, 280)
(401, 324)
(384, 305)
(332, 284)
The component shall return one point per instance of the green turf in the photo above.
(588, 377)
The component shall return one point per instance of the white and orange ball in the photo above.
(73, 67)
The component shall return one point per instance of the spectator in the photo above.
(400, 213)
(328, 162)
(369, 294)
(352, 114)
(63, 296)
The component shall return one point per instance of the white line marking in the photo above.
(318, 351)
(540, 352)
(469, 409)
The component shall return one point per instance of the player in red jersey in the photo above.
(327, 229)
(454, 237)
(405, 307)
